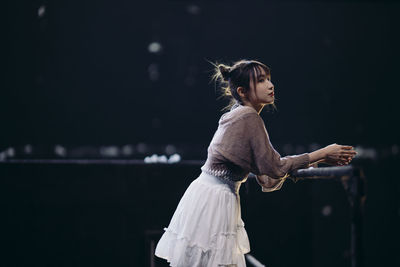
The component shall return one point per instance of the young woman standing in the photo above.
(206, 229)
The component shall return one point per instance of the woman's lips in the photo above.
(271, 94)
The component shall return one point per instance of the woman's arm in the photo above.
(265, 160)
(333, 154)
(317, 156)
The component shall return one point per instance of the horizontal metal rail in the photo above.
(325, 172)
(322, 173)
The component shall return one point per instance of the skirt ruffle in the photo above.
(206, 228)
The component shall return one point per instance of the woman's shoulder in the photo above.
(239, 113)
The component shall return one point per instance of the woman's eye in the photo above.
(261, 80)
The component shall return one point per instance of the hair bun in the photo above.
(225, 71)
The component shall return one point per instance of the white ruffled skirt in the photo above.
(206, 229)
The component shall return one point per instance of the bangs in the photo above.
(257, 72)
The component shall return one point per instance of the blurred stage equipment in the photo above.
(353, 181)
(143, 150)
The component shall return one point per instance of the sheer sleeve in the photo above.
(268, 184)
(271, 169)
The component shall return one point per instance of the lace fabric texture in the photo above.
(206, 229)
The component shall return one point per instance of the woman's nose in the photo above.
(271, 86)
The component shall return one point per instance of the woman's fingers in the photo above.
(348, 150)
(344, 160)
(348, 153)
(341, 163)
(340, 154)
(347, 147)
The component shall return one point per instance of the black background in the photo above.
(79, 76)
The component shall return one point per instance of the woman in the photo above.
(206, 228)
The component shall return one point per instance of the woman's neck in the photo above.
(257, 107)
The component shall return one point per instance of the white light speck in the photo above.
(326, 210)
(154, 47)
(41, 11)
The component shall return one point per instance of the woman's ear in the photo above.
(241, 92)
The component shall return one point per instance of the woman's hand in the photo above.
(338, 154)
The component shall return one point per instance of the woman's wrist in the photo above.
(317, 155)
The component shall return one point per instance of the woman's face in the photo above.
(264, 91)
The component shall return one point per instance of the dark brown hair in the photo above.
(238, 75)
